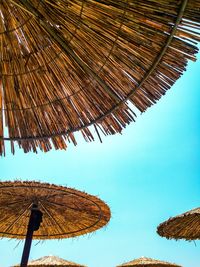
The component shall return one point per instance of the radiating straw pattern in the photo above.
(148, 262)
(69, 64)
(52, 261)
(184, 226)
(66, 212)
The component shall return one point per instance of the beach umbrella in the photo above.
(148, 262)
(69, 64)
(184, 226)
(52, 261)
(34, 210)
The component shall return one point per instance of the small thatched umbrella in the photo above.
(52, 261)
(184, 226)
(148, 262)
(62, 212)
(66, 65)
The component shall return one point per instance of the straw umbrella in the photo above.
(34, 210)
(148, 262)
(184, 226)
(67, 65)
(52, 261)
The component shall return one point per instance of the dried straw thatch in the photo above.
(184, 226)
(66, 212)
(68, 64)
(148, 262)
(52, 261)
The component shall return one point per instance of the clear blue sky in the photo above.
(146, 175)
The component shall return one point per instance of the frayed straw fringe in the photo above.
(148, 262)
(66, 212)
(66, 65)
(184, 226)
(52, 261)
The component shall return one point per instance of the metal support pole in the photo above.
(33, 225)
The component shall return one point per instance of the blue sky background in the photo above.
(146, 175)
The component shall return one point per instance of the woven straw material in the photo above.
(69, 64)
(52, 261)
(143, 261)
(66, 212)
(184, 226)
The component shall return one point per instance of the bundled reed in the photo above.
(184, 226)
(148, 262)
(69, 64)
(52, 261)
(66, 212)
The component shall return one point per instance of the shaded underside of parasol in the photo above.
(184, 226)
(148, 262)
(69, 64)
(52, 261)
(66, 212)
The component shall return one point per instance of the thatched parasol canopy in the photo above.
(66, 212)
(52, 261)
(69, 64)
(148, 262)
(184, 226)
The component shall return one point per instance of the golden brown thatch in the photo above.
(66, 65)
(52, 261)
(148, 262)
(184, 226)
(66, 212)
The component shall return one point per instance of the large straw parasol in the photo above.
(62, 212)
(148, 262)
(69, 64)
(184, 226)
(52, 261)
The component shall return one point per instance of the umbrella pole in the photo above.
(33, 225)
(27, 245)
